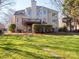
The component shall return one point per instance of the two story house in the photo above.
(24, 19)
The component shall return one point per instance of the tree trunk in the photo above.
(70, 24)
(75, 24)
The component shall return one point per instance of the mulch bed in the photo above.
(54, 33)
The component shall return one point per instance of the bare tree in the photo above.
(5, 8)
(5, 3)
(57, 3)
(6, 11)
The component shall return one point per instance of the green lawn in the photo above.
(39, 47)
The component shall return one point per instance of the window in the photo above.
(53, 14)
(17, 19)
(29, 12)
(53, 20)
(39, 12)
(29, 19)
(44, 19)
(44, 11)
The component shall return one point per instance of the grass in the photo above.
(39, 47)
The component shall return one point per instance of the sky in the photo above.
(22, 4)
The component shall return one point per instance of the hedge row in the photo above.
(41, 28)
(1, 32)
(12, 27)
(63, 29)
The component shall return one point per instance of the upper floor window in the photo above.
(39, 12)
(29, 12)
(54, 20)
(17, 19)
(44, 11)
(53, 14)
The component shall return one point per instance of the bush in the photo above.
(41, 28)
(1, 32)
(12, 27)
(63, 29)
(76, 30)
(19, 30)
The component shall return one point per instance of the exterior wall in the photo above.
(46, 15)
(13, 20)
(53, 19)
(28, 12)
(2, 26)
(19, 22)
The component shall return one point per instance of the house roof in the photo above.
(22, 12)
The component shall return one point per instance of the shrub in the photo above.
(19, 30)
(1, 32)
(12, 27)
(41, 28)
(76, 30)
(63, 29)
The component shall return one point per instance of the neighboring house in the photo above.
(35, 15)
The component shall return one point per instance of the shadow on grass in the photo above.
(22, 45)
(62, 33)
(62, 48)
(22, 53)
(30, 54)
